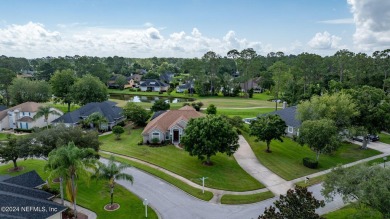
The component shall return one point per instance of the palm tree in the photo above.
(45, 111)
(70, 162)
(111, 172)
(96, 119)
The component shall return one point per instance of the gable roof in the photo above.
(107, 108)
(2, 107)
(24, 107)
(153, 83)
(288, 116)
(30, 180)
(167, 76)
(168, 118)
(156, 114)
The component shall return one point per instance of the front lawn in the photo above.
(244, 113)
(353, 212)
(385, 138)
(286, 158)
(94, 196)
(245, 199)
(225, 174)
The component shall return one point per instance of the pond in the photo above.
(149, 99)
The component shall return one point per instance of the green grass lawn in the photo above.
(245, 199)
(3, 136)
(312, 181)
(244, 113)
(225, 174)
(95, 195)
(286, 158)
(385, 138)
(206, 196)
(63, 107)
(353, 212)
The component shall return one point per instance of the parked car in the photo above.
(373, 137)
(357, 138)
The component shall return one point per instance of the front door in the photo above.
(175, 135)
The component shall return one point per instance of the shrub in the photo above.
(118, 130)
(54, 191)
(310, 163)
(155, 140)
(160, 105)
(211, 109)
(197, 105)
(24, 130)
(250, 93)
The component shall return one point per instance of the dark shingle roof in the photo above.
(107, 108)
(30, 179)
(2, 107)
(156, 114)
(153, 83)
(288, 115)
(167, 76)
(22, 190)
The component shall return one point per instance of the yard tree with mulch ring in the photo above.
(206, 136)
(118, 130)
(111, 172)
(12, 150)
(268, 128)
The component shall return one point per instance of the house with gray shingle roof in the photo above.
(22, 194)
(108, 109)
(153, 85)
(288, 115)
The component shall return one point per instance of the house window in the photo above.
(156, 135)
(290, 129)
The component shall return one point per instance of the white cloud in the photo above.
(372, 20)
(148, 24)
(338, 21)
(324, 41)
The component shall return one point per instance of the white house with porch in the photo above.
(169, 125)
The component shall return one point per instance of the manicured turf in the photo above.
(225, 174)
(311, 181)
(385, 138)
(353, 212)
(286, 158)
(206, 196)
(64, 107)
(3, 136)
(95, 195)
(244, 113)
(245, 199)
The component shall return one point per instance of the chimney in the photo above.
(284, 104)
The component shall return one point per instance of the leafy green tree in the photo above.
(12, 150)
(49, 139)
(197, 106)
(89, 89)
(338, 107)
(97, 120)
(363, 184)
(373, 106)
(121, 81)
(45, 111)
(23, 90)
(118, 130)
(297, 203)
(45, 71)
(61, 84)
(136, 114)
(211, 109)
(151, 75)
(281, 76)
(206, 136)
(160, 105)
(77, 162)
(100, 70)
(112, 172)
(320, 135)
(268, 128)
(6, 77)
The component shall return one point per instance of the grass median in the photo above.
(245, 199)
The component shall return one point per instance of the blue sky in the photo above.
(142, 28)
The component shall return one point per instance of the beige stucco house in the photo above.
(21, 117)
(169, 125)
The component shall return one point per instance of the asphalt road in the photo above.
(171, 203)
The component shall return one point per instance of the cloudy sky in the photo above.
(190, 28)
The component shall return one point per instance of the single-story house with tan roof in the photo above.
(169, 125)
(21, 117)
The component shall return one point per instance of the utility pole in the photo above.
(203, 178)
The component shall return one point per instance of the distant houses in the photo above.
(21, 117)
(153, 85)
(108, 109)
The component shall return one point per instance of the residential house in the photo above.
(112, 82)
(153, 85)
(167, 77)
(169, 125)
(252, 83)
(22, 193)
(108, 109)
(184, 87)
(21, 117)
(288, 114)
